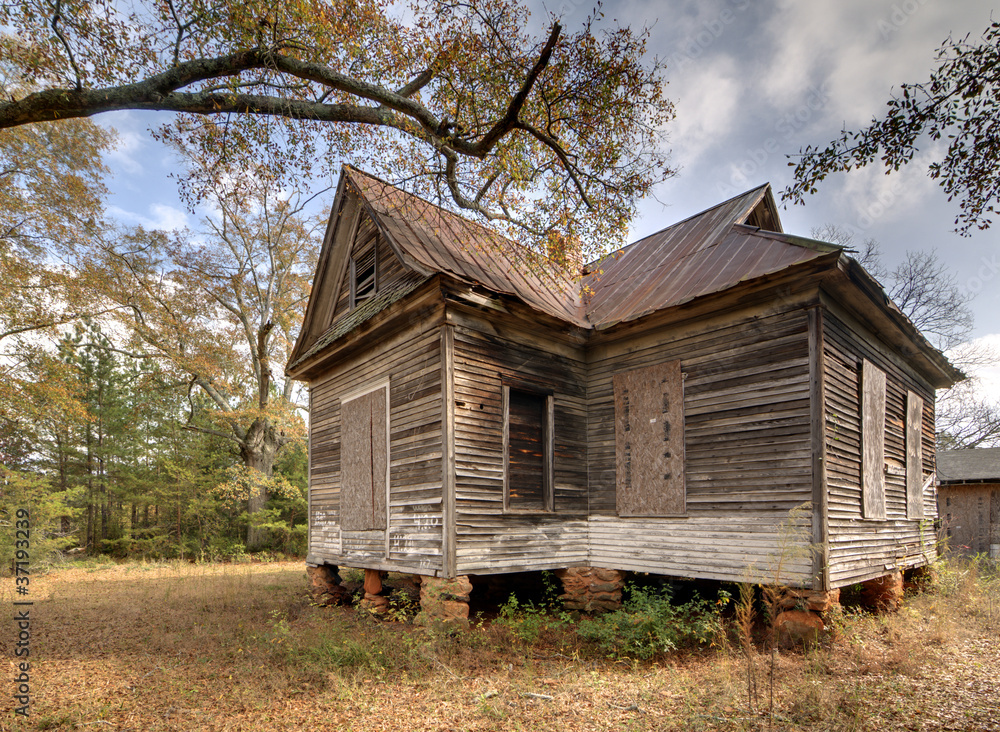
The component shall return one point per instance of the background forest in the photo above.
(143, 411)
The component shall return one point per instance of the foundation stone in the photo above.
(444, 600)
(591, 590)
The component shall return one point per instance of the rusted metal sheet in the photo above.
(649, 441)
(704, 254)
(436, 240)
(700, 256)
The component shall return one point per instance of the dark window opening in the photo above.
(364, 275)
(528, 451)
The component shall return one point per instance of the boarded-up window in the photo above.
(914, 456)
(649, 441)
(873, 441)
(527, 450)
(364, 461)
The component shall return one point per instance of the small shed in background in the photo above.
(969, 500)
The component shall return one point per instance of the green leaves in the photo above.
(961, 103)
(557, 132)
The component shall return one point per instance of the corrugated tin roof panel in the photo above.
(438, 240)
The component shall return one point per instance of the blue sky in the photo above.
(753, 81)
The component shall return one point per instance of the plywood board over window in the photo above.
(649, 441)
(914, 456)
(364, 431)
(873, 441)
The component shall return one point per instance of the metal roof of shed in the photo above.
(975, 464)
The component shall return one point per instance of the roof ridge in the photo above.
(762, 187)
(465, 220)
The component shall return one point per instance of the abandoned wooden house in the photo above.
(719, 400)
(969, 500)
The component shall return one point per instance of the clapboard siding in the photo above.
(860, 548)
(738, 548)
(411, 363)
(488, 539)
(748, 455)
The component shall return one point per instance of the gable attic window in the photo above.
(527, 449)
(364, 272)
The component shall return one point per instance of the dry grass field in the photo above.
(240, 647)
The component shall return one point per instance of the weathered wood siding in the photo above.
(411, 363)
(748, 452)
(862, 548)
(488, 539)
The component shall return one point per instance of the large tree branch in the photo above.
(508, 122)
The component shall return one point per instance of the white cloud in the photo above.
(988, 375)
(161, 217)
(707, 98)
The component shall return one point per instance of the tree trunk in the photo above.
(258, 452)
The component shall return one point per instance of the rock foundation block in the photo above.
(591, 590)
(798, 627)
(444, 600)
(817, 601)
(325, 587)
(883, 593)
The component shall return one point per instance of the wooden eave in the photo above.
(424, 305)
(853, 288)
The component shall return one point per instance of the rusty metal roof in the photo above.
(706, 253)
(431, 239)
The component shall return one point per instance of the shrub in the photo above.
(649, 624)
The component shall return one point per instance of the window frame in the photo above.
(353, 272)
(548, 445)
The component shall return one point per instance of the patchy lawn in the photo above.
(239, 647)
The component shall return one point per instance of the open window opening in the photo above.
(364, 274)
(528, 450)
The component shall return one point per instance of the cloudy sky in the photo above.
(753, 81)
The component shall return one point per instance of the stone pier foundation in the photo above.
(798, 615)
(373, 600)
(325, 587)
(444, 600)
(591, 590)
(883, 593)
